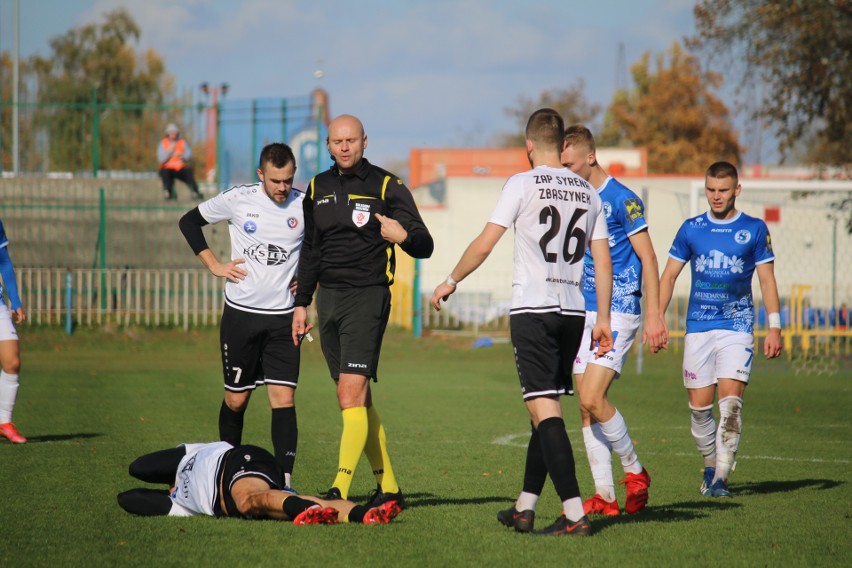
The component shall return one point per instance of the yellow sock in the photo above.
(352, 443)
(377, 452)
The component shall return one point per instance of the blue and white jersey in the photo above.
(7, 273)
(722, 256)
(625, 216)
(4, 242)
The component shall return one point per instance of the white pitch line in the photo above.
(521, 440)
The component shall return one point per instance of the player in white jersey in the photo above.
(246, 482)
(724, 247)
(557, 216)
(633, 262)
(10, 353)
(266, 227)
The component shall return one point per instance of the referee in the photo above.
(354, 215)
(267, 228)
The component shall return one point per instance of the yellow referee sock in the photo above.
(352, 443)
(377, 452)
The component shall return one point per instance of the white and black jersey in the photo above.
(556, 215)
(269, 236)
(196, 489)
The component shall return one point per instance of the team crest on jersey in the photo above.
(270, 255)
(742, 237)
(250, 227)
(292, 222)
(607, 209)
(634, 210)
(361, 214)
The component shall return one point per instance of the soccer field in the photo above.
(457, 431)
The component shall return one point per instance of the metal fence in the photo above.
(107, 140)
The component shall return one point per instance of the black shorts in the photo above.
(352, 322)
(242, 462)
(257, 349)
(545, 347)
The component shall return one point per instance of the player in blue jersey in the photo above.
(10, 354)
(723, 247)
(633, 263)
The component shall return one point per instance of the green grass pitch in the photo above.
(457, 429)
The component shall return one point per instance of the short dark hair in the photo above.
(546, 127)
(577, 134)
(720, 170)
(278, 154)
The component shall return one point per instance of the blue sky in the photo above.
(418, 73)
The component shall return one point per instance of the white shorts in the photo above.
(717, 354)
(624, 328)
(7, 326)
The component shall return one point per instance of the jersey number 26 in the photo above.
(574, 235)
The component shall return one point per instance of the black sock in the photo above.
(146, 502)
(295, 505)
(285, 436)
(231, 425)
(535, 470)
(556, 448)
(356, 515)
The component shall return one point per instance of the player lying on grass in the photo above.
(221, 480)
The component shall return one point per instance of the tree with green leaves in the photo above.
(571, 103)
(673, 113)
(800, 53)
(106, 89)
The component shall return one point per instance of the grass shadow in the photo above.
(767, 487)
(413, 500)
(673, 513)
(62, 437)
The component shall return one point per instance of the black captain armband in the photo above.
(190, 225)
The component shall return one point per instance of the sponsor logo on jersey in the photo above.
(607, 209)
(292, 222)
(702, 285)
(698, 223)
(269, 255)
(717, 262)
(250, 227)
(634, 210)
(689, 375)
(768, 243)
(721, 230)
(742, 237)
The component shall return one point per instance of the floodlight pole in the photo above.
(16, 160)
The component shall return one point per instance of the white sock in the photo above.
(526, 501)
(8, 394)
(600, 460)
(573, 509)
(615, 430)
(728, 435)
(704, 432)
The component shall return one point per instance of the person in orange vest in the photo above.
(174, 154)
